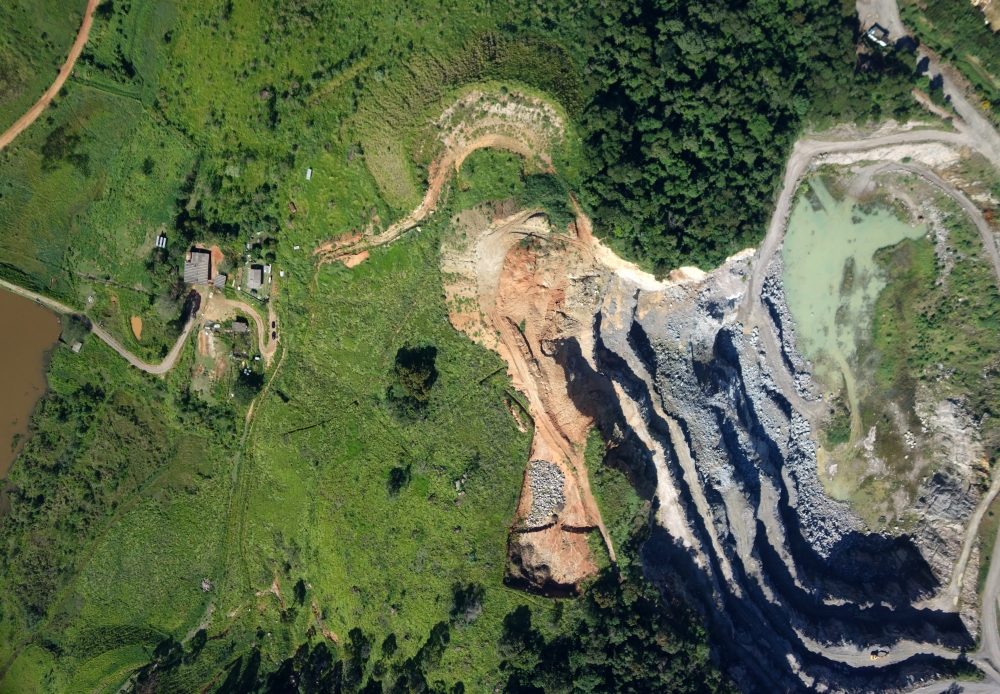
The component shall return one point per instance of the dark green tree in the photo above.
(416, 371)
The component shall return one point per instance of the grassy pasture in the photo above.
(922, 328)
(79, 197)
(124, 53)
(33, 673)
(321, 507)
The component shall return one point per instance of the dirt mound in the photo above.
(136, 323)
(354, 259)
(340, 249)
(217, 259)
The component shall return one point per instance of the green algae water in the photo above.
(831, 280)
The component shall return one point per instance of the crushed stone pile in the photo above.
(547, 482)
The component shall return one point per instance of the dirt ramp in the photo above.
(520, 289)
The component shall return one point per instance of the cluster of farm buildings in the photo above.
(198, 270)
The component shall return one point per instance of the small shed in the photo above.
(161, 241)
(255, 277)
(198, 266)
(240, 325)
(878, 35)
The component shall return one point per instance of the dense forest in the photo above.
(691, 110)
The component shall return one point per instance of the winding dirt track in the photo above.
(135, 361)
(267, 349)
(35, 111)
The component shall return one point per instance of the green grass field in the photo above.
(307, 500)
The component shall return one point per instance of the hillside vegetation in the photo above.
(959, 33)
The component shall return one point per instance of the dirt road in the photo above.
(885, 13)
(798, 164)
(951, 687)
(216, 308)
(266, 349)
(35, 111)
(160, 368)
(949, 598)
(990, 648)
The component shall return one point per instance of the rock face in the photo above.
(797, 590)
(710, 421)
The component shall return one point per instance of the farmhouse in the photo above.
(198, 266)
(255, 277)
(240, 325)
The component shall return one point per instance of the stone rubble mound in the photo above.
(547, 496)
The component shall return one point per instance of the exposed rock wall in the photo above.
(789, 576)
(710, 420)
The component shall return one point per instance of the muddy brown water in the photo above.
(29, 332)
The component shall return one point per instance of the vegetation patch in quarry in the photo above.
(922, 392)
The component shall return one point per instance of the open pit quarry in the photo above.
(697, 387)
(693, 406)
(706, 405)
